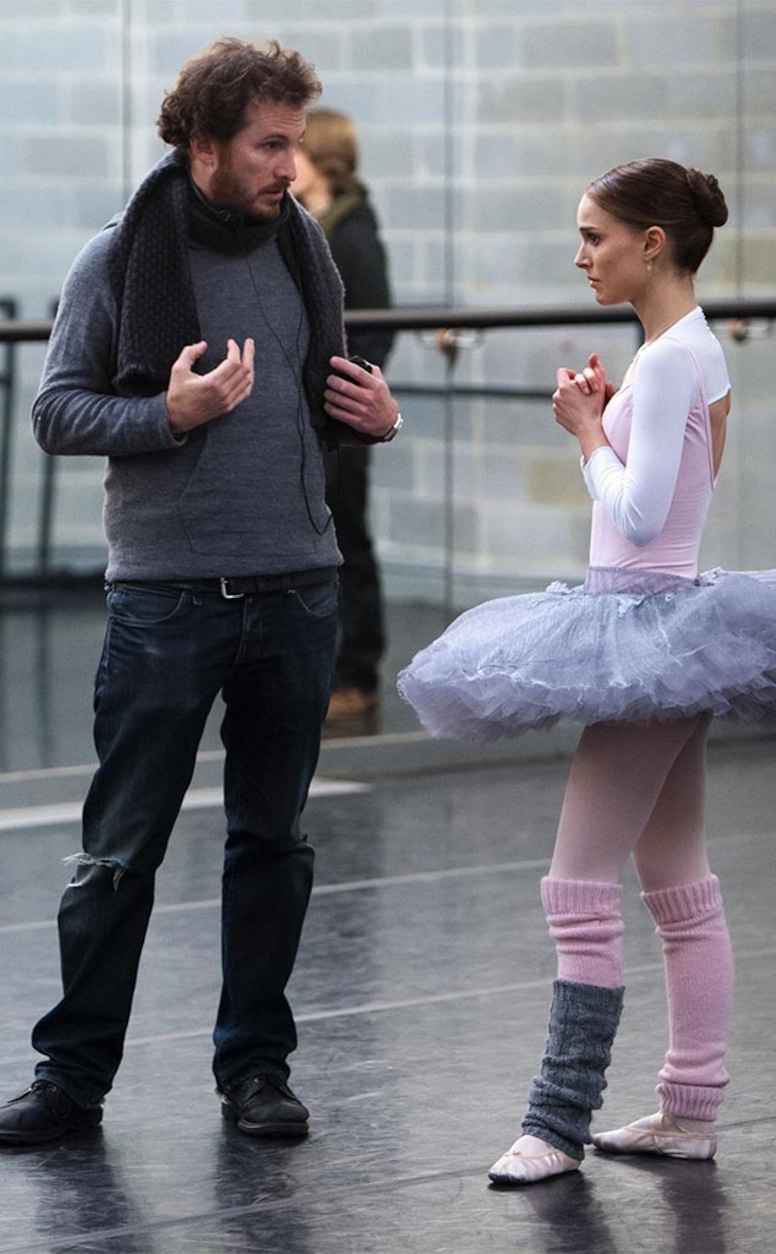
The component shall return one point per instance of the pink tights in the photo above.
(640, 791)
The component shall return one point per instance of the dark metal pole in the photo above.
(7, 382)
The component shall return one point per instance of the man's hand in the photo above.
(362, 400)
(194, 399)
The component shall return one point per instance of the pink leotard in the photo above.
(652, 487)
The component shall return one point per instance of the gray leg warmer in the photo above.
(583, 1023)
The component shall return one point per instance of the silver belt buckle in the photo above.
(229, 596)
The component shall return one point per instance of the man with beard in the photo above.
(195, 347)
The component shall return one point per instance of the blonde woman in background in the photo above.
(328, 186)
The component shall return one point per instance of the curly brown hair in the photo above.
(214, 89)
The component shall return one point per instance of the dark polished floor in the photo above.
(420, 991)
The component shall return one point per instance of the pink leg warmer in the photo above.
(584, 921)
(699, 979)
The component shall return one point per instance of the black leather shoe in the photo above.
(265, 1106)
(44, 1112)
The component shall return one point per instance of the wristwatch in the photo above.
(394, 431)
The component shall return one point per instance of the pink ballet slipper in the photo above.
(661, 1134)
(529, 1160)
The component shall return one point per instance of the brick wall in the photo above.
(480, 123)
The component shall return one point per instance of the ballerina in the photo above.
(642, 655)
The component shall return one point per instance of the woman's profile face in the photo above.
(611, 253)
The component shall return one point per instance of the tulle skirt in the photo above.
(628, 646)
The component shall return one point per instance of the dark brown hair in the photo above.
(214, 89)
(686, 203)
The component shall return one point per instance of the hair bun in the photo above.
(708, 198)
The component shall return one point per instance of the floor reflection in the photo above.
(421, 993)
(79, 1189)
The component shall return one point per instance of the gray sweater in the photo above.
(243, 495)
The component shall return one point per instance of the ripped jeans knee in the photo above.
(84, 865)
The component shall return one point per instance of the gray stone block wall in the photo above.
(480, 123)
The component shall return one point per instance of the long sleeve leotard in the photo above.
(652, 486)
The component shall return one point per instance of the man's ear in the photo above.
(202, 150)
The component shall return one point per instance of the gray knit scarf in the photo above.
(148, 264)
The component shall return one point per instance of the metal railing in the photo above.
(442, 320)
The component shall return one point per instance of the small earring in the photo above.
(649, 267)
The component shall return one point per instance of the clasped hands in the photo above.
(362, 400)
(579, 401)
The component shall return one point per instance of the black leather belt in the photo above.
(232, 589)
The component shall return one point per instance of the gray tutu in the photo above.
(627, 646)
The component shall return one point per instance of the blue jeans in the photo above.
(167, 655)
